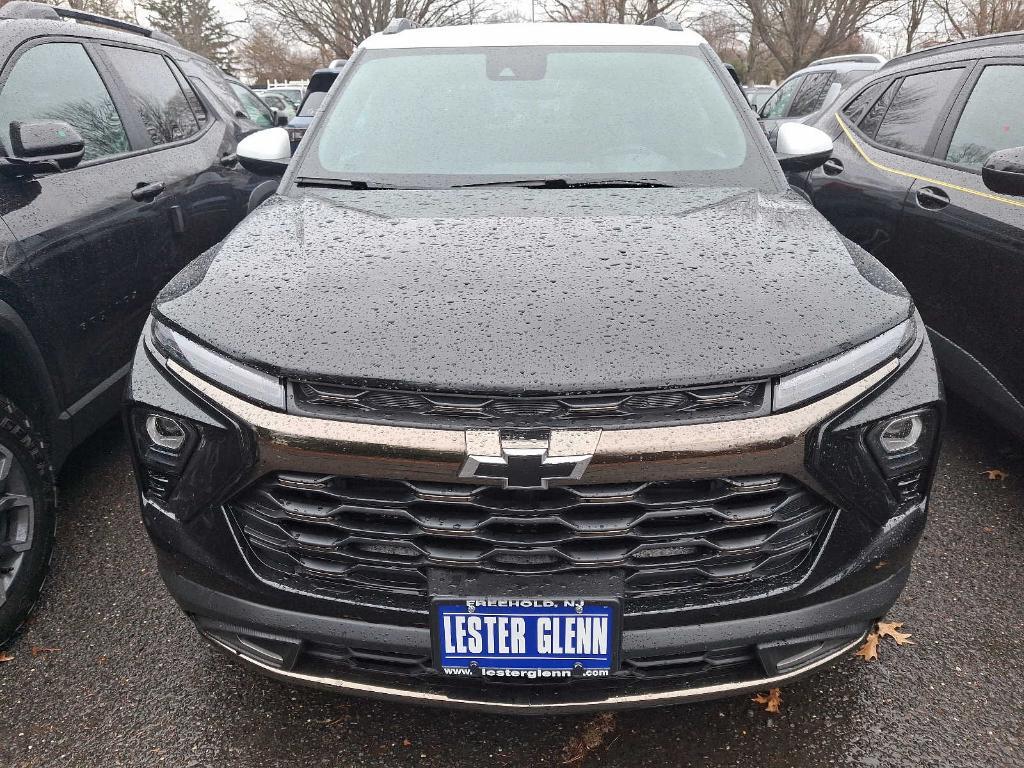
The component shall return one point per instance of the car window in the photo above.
(255, 109)
(869, 124)
(77, 97)
(534, 111)
(812, 95)
(779, 103)
(848, 78)
(313, 101)
(993, 117)
(919, 102)
(860, 103)
(154, 90)
(194, 102)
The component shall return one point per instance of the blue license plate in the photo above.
(534, 639)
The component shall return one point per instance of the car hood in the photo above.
(539, 290)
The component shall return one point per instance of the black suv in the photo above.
(482, 411)
(928, 175)
(114, 174)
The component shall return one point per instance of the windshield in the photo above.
(436, 117)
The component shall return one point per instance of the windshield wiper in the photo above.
(565, 183)
(309, 181)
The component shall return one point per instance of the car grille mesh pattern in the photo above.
(730, 401)
(707, 538)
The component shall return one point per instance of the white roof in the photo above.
(541, 33)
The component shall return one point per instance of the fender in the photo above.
(57, 430)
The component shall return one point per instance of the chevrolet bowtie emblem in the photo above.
(528, 462)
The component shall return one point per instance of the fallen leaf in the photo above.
(869, 651)
(995, 474)
(406, 743)
(892, 629)
(37, 650)
(772, 700)
(591, 736)
(5, 657)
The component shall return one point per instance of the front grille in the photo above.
(676, 406)
(705, 539)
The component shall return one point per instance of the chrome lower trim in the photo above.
(770, 444)
(659, 698)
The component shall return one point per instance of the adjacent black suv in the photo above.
(115, 172)
(928, 175)
(535, 388)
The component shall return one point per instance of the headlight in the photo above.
(810, 383)
(248, 382)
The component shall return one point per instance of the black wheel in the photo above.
(27, 518)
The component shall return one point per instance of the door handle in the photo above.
(832, 167)
(229, 159)
(147, 191)
(932, 198)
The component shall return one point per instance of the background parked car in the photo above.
(928, 161)
(293, 93)
(805, 95)
(281, 106)
(150, 178)
(757, 95)
(319, 84)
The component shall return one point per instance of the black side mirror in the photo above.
(42, 146)
(282, 120)
(1004, 171)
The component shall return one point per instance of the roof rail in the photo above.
(28, 9)
(971, 42)
(400, 25)
(853, 58)
(663, 21)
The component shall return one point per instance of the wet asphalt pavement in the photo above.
(110, 673)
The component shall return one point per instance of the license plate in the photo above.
(533, 639)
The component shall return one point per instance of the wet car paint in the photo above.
(534, 290)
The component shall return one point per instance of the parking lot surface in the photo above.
(110, 673)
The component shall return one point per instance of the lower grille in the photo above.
(708, 540)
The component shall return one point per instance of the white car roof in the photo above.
(542, 33)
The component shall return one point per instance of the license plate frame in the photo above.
(531, 664)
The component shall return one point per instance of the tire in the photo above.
(28, 518)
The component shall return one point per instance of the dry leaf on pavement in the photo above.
(37, 650)
(869, 651)
(772, 700)
(892, 629)
(995, 474)
(5, 657)
(590, 738)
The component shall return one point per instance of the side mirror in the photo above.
(281, 119)
(265, 152)
(1004, 171)
(800, 147)
(43, 146)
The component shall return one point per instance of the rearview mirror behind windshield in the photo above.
(266, 152)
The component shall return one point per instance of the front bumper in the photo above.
(788, 646)
(672, 649)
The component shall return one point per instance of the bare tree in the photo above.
(611, 11)
(264, 54)
(912, 15)
(335, 27)
(798, 31)
(970, 18)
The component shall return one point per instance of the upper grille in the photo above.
(695, 404)
(706, 538)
